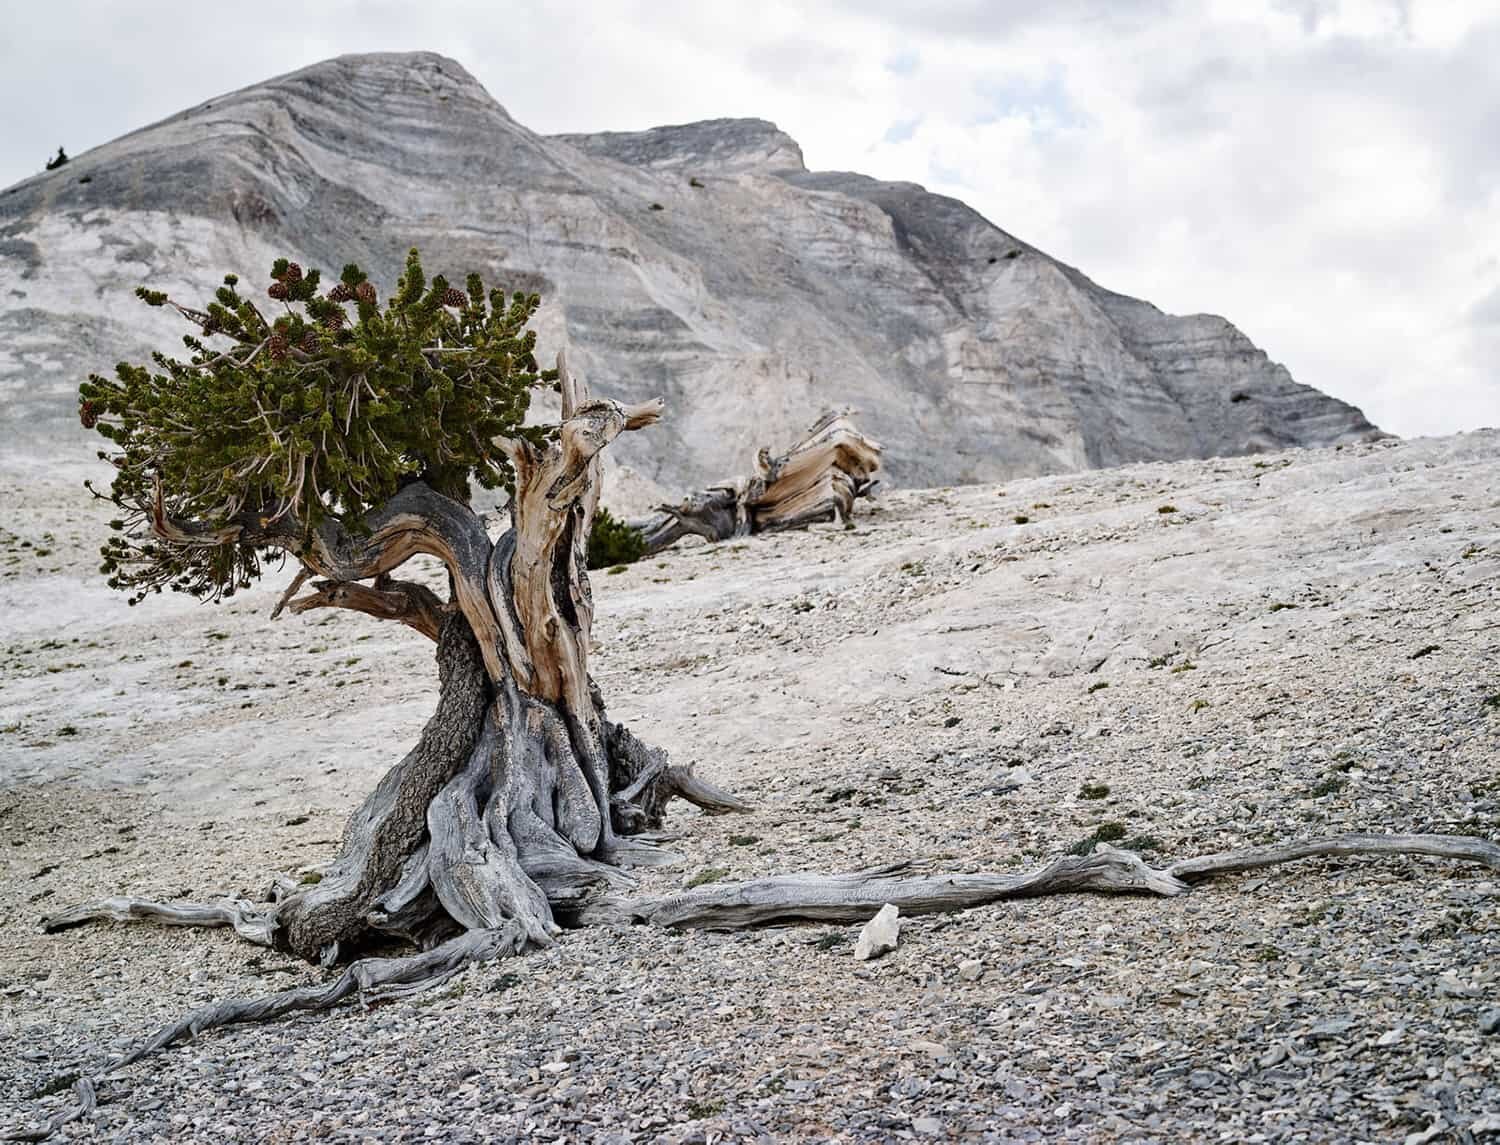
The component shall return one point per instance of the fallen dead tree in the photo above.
(521, 806)
(817, 479)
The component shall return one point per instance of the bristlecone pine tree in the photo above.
(350, 445)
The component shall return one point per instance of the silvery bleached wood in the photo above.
(818, 479)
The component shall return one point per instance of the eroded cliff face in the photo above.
(702, 263)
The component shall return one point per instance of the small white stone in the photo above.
(971, 970)
(879, 934)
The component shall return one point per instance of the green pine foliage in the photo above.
(613, 542)
(278, 422)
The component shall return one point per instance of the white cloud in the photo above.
(1322, 172)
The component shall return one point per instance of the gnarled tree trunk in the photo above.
(519, 796)
(818, 479)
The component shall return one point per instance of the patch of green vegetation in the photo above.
(1198, 705)
(311, 878)
(1185, 666)
(1472, 551)
(1165, 509)
(296, 821)
(503, 983)
(1312, 915)
(1281, 606)
(613, 543)
(1159, 661)
(1491, 703)
(1108, 832)
(1330, 785)
(1021, 519)
(803, 606)
(952, 721)
(67, 730)
(616, 570)
(827, 942)
(705, 876)
(1093, 791)
(743, 840)
(1099, 687)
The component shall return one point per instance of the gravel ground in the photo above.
(1305, 643)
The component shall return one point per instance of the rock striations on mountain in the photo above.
(703, 263)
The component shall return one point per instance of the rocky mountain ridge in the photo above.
(703, 263)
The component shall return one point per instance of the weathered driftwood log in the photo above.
(818, 479)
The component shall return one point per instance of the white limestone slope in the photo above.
(702, 263)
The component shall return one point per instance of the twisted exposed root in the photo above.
(375, 979)
(84, 1102)
(254, 922)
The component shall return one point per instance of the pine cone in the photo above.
(293, 273)
(277, 348)
(365, 292)
(455, 297)
(310, 343)
(88, 414)
(333, 320)
(278, 291)
(340, 293)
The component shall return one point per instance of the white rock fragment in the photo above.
(879, 934)
(971, 970)
(1489, 1123)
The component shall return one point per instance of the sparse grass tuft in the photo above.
(1021, 519)
(1093, 791)
(1329, 786)
(1108, 832)
(1165, 509)
(1099, 687)
(705, 876)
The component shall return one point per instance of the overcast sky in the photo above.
(1324, 173)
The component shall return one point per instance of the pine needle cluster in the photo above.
(281, 421)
